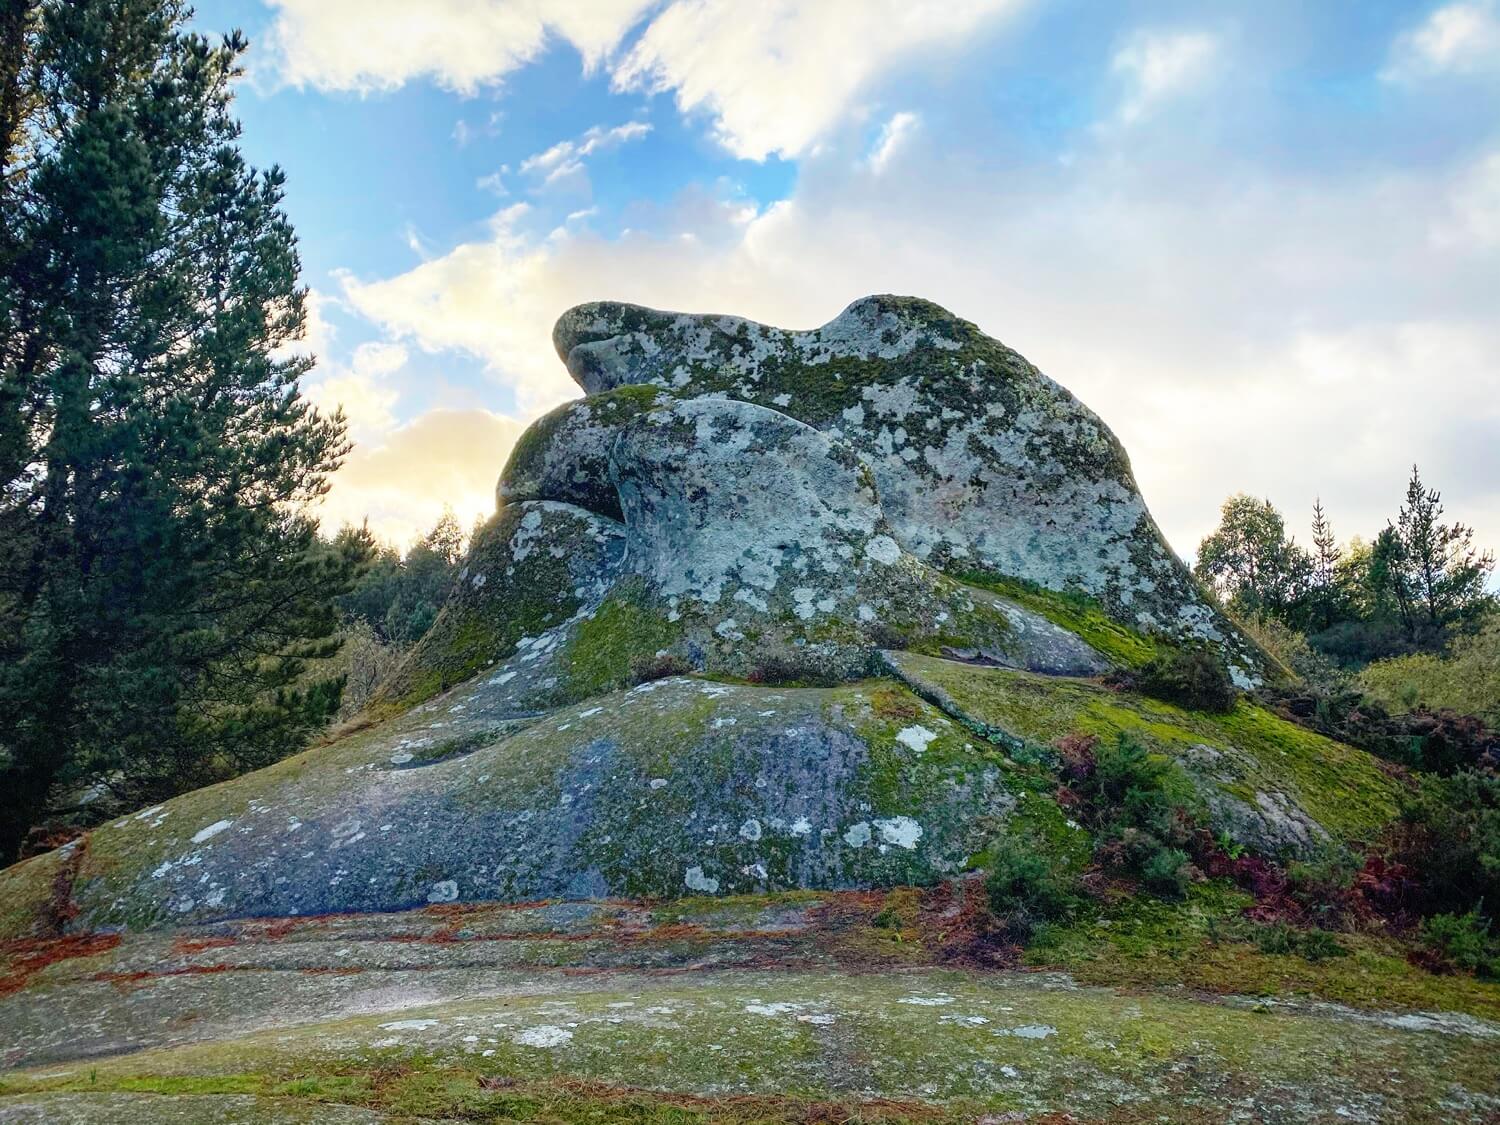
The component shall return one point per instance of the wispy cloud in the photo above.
(1158, 65)
(369, 45)
(776, 76)
(893, 135)
(1461, 38)
(566, 158)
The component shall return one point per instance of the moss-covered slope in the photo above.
(1267, 782)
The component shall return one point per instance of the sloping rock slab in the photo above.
(675, 786)
(954, 1045)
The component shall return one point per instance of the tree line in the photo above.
(1419, 583)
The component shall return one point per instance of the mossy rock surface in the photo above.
(983, 465)
(674, 786)
(529, 568)
(1267, 783)
(932, 1044)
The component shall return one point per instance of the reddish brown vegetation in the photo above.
(23, 959)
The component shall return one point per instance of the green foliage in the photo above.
(1278, 938)
(1416, 586)
(1132, 801)
(1166, 871)
(1028, 883)
(1451, 838)
(1432, 570)
(1250, 562)
(1466, 679)
(398, 597)
(1192, 678)
(160, 592)
(1463, 941)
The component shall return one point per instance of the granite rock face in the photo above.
(982, 465)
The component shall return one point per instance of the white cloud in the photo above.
(1461, 38)
(892, 136)
(363, 388)
(1473, 221)
(369, 45)
(401, 483)
(777, 75)
(1158, 65)
(565, 159)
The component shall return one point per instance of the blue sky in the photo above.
(1261, 239)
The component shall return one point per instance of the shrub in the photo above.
(1192, 678)
(1167, 871)
(1462, 941)
(1278, 938)
(644, 669)
(1465, 680)
(1027, 885)
(1449, 839)
(1322, 885)
(1130, 800)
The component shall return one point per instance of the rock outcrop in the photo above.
(984, 467)
(725, 634)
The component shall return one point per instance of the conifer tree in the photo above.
(160, 583)
(1324, 588)
(1437, 575)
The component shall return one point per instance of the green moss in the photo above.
(616, 645)
(1075, 612)
(26, 895)
(943, 1046)
(1342, 788)
(1204, 943)
(482, 624)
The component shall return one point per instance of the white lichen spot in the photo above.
(801, 826)
(750, 830)
(211, 831)
(697, 881)
(774, 1008)
(445, 890)
(902, 831)
(916, 737)
(545, 1035)
(883, 549)
(1028, 1031)
(858, 835)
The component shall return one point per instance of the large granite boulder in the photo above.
(984, 467)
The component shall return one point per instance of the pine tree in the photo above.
(1324, 591)
(161, 585)
(1440, 574)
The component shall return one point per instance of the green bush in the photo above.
(1449, 837)
(1466, 679)
(1278, 938)
(1027, 885)
(1167, 872)
(1463, 941)
(1135, 804)
(1192, 678)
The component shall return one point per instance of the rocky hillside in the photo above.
(811, 619)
